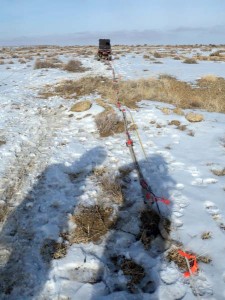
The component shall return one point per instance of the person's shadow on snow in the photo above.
(140, 235)
(131, 248)
(29, 236)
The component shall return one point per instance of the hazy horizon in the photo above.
(83, 22)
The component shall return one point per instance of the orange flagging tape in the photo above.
(194, 268)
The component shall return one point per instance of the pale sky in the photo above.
(124, 21)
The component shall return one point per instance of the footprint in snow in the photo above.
(173, 291)
(194, 171)
(215, 213)
(203, 182)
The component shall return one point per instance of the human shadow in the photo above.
(29, 236)
(140, 235)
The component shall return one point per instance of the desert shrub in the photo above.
(74, 66)
(190, 61)
(22, 60)
(108, 123)
(111, 187)
(46, 64)
(157, 55)
(216, 53)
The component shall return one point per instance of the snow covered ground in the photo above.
(43, 144)
(134, 66)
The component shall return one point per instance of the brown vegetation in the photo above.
(46, 64)
(74, 66)
(108, 123)
(52, 249)
(219, 172)
(206, 235)
(208, 95)
(149, 229)
(3, 212)
(111, 188)
(190, 61)
(92, 223)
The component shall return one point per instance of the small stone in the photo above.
(175, 122)
(166, 111)
(192, 117)
(81, 106)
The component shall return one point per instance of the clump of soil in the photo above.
(92, 223)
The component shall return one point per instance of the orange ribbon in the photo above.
(194, 268)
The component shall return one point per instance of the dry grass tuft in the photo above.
(74, 66)
(52, 250)
(4, 210)
(205, 259)
(190, 61)
(157, 55)
(22, 61)
(173, 255)
(100, 171)
(108, 123)
(206, 235)
(166, 111)
(208, 95)
(135, 272)
(174, 122)
(130, 268)
(218, 172)
(149, 228)
(111, 188)
(47, 64)
(209, 78)
(2, 142)
(182, 127)
(92, 223)
(178, 111)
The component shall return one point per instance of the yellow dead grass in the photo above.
(208, 93)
